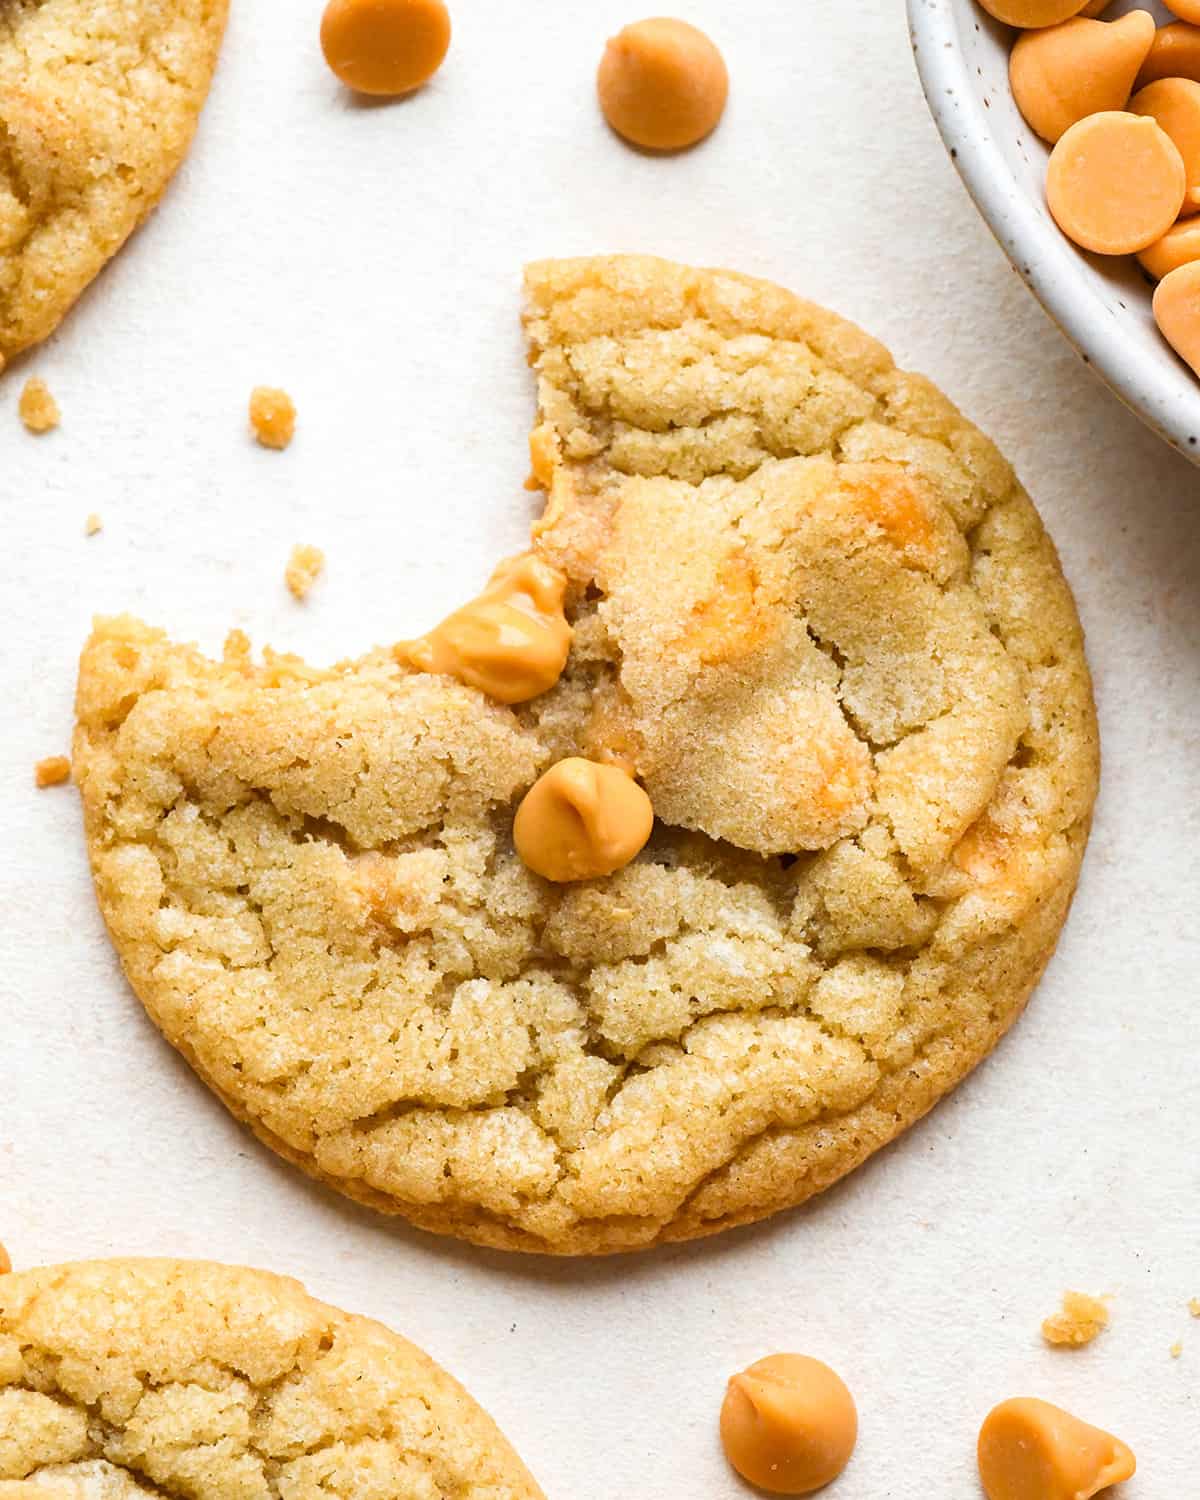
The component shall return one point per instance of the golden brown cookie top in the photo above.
(816, 616)
(124, 1378)
(97, 108)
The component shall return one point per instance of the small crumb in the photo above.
(52, 771)
(1194, 1307)
(1176, 1349)
(272, 416)
(237, 648)
(92, 525)
(1081, 1319)
(37, 407)
(303, 569)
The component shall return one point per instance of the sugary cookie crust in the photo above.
(814, 607)
(122, 1379)
(98, 103)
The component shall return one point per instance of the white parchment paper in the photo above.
(367, 258)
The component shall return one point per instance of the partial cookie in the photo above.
(98, 104)
(815, 612)
(130, 1378)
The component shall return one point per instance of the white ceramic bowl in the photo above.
(1102, 305)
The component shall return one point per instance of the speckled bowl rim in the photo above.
(1161, 392)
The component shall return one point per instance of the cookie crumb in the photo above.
(1081, 1319)
(92, 525)
(52, 771)
(303, 569)
(272, 416)
(1176, 1349)
(37, 407)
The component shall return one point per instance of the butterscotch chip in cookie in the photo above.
(52, 771)
(304, 567)
(1081, 1319)
(5, 1262)
(98, 104)
(130, 1379)
(37, 408)
(272, 417)
(812, 607)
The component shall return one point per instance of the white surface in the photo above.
(368, 260)
(1102, 303)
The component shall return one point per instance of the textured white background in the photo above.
(367, 258)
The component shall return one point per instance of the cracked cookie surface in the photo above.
(98, 104)
(125, 1379)
(815, 610)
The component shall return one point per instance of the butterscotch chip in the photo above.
(582, 819)
(1174, 53)
(1115, 182)
(1033, 13)
(134, 1379)
(1176, 307)
(1175, 104)
(304, 567)
(385, 46)
(92, 525)
(1081, 1319)
(1031, 1450)
(788, 1424)
(813, 607)
(1178, 246)
(98, 104)
(52, 771)
(272, 416)
(5, 1262)
(1194, 1307)
(662, 84)
(37, 407)
(511, 641)
(1061, 74)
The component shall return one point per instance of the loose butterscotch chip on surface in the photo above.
(1081, 1319)
(52, 771)
(1031, 1450)
(385, 46)
(788, 1424)
(662, 84)
(272, 416)
(37, 407)
(304, 567)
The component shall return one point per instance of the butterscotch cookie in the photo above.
(126, 1378)
(98, 104)
(816, 616)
